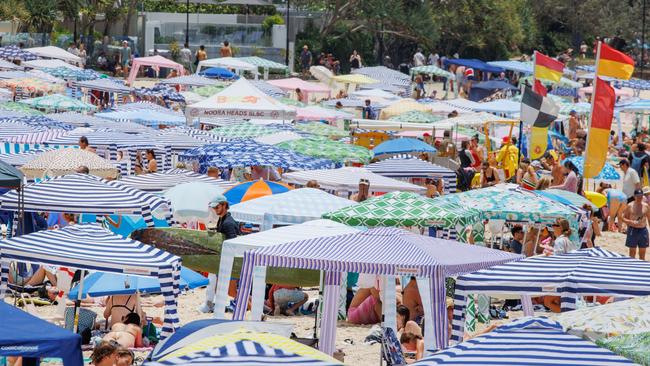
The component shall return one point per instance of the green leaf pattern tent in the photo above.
(332, 150)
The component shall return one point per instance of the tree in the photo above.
(42, 15)
(14, 10)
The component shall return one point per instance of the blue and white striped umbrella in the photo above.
(13, 52)
(165, 92)
(39, 122)
(82, 193)
(385, 75)
(245, 153)
(161, 181)
(637, 84)
(191, 80)
(607, 173)
(242, 353)
(526, 341)
(145, 117)
(72, 74)
(411, 167)
(106, 84)
(586, 272)
(91, 247)
(268, 89)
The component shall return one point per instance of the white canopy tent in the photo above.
(43, 64)
(375, 124)
(346, 179)
(241, 99)
(228, 63)
(55, 53)
(238, 246)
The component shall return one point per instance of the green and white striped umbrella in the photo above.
(244, 130)
(405, 209)
(416, 117)
(263, 63)
(328, 149)
(58, 102)
(18, 107)
(432, 70)
(209, 90)
(321, 129)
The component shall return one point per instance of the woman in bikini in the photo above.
(526, 176)
(127, 333)
(119, 306)
(616, 205)
(365, 307)
(489, 175)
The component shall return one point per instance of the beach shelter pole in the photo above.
(521, 135)
(77, 302)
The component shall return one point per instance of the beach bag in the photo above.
(636, 163)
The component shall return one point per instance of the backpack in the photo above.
(637, 163)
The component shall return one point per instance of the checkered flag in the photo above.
(537, 111)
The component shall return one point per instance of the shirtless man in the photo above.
(128, 333)
(637, 216)
(412, 300)
(551, 164)
(574, 125)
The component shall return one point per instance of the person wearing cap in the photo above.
(631, 180)
(637, 216)
(508, 156)
(125, 56)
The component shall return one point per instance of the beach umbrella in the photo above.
(607, 173)
(218, 72)
(263, 63)
(108, 284)
(403, 145)
(613, 319)
(244, 130)
(166, 92)
(327, 149)
(21, 108)
(403, 106)
(416, 117)
(321, 73)
(209, 90)
(253, 189)
(190, 200)
(566, 197)
(64, 161)
(321, 129)
(245, 348)
(432, 70)
(405, 209)
(13, 52)
(355, 79)
(73, 74)
(58, 102)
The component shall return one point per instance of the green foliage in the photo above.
(175, 50)
(171, 6)
(42, 15)
(271, 20)
(14, 10)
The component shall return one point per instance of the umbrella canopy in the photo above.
(200, 329)
(20, 108)
(374, 93)
(347, 179)
(245, 153)
(218, 73)
(607, 173)
(55, 53)
(508, 202)
(190, 200)
(244, 130)
(354, 79)
(108, 284)
(265, 64)
(608, 320)
(321, 129)
(385, 75)
(291, 84)
(321, 73)
(191, 80)
(254, 189)
(58, 102)
(209, 90)
(246, 348)
(400, 167)
(403, 145)
(566, 197)
(163, 91)
(10, 177)
(145, 117)
(328, 149)
(405, 209)
(278, 137)
(403, 106)
(292, 207)
(31, 337)
(268, 89)
(13, 53)
(241, 99)
(65, 161)
(72, 74)
(107, 85)
(416, 117)
(527, 341)
(227, 62)
(502, 106)
(160, 181)
(432, 70)
(469, 119)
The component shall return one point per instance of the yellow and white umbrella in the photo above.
(403, 106)
(64, 161)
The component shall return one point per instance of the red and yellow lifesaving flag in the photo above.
(614, 64)
(599, 127)
(547, 68)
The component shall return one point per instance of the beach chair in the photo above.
(391, 349)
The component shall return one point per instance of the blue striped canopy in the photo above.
(638, 106)
(242, 353)
(82, 193)
(161, 181)
(163, 91)
(91, 247)
(39, 122)
(13, 52)
(268, 89)
(107, 85)
(402, 146)
(526, 342)
(411, 167)
(637, 84)
(146, 117)
(380, 251)
(585, 272)
(245, 153)
(192, 80)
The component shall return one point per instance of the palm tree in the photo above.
(42, 15)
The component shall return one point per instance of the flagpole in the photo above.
(593, 103)
(530, 130)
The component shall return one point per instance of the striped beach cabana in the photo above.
(82, 193)
(91, 247)
(527, 341)
(387, 252)
(586, 272)
(160, 181)
(410, 167)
